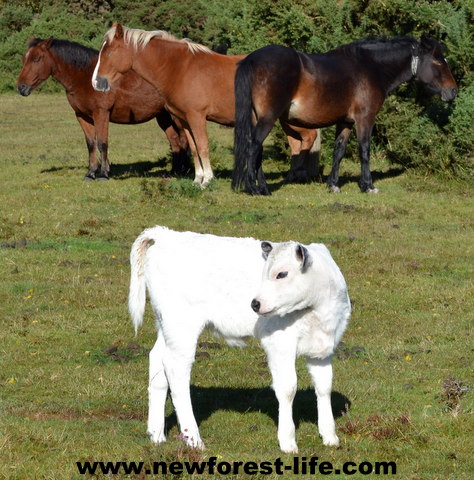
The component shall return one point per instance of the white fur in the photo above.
(96, 71)
(196, 280)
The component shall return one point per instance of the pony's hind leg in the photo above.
(255, 183)
(89, 134)
(342, 136)
(305, 145)
(178, 143)
(157, 392)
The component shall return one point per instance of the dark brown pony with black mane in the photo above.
(196, 83)
(132, 100)
(344, 86)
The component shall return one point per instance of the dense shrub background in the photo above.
(413, 129)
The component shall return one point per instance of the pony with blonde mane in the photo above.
(196, 83)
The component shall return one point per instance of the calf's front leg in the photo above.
(321, 374)
(282, 368)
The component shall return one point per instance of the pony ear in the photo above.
(266, 249)
(303, 256)
(47, 44)
(118, 30)
(33, 41)
(427, 45)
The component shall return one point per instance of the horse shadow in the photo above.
(161, 168)
(122, 171)
(208, 400)
(343, 179)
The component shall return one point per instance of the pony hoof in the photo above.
(103, 179)
(88, 178)
(298, 176)
(334, 189)
(205, 183)
(372, 190)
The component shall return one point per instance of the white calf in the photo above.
(194, 280)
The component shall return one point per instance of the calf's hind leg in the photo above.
(178, 360)
(157, 392)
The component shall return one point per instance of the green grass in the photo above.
(73, 379)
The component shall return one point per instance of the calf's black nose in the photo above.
(255, 305)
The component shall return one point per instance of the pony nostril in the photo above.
(454, 92)
(100, 84)
(255, 305)
(24, 90)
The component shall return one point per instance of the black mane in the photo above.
(388, 59)
(73, 53)
(380, 50)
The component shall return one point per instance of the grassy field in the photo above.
(73, 378)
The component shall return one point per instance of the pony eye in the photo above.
(282, 275)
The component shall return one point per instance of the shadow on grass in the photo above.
(162, 168)
(208, 400)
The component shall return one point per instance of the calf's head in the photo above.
(287, 285)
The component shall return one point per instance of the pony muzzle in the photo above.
(101, 84)
(449, 94)
(24, 90)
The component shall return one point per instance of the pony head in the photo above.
(432, 69)
(37, 65)
(115, 59)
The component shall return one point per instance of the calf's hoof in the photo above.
(331, 440)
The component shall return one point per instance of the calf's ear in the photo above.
(266, 249)
(303, 256)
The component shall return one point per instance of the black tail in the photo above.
(243, 124)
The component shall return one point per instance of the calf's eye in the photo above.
(282, 275)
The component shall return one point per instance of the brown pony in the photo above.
(197, 85)
(132, 100)
(345, 86)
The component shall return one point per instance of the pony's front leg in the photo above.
(365, 182)
(198, 172)
(342, 136)
(197, 134)
(101, 121)
(89, 133)
(157, 392)
(321, 374)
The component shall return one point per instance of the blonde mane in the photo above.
(139, 39)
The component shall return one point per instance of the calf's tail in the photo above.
(137, 294)
(243, 123)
